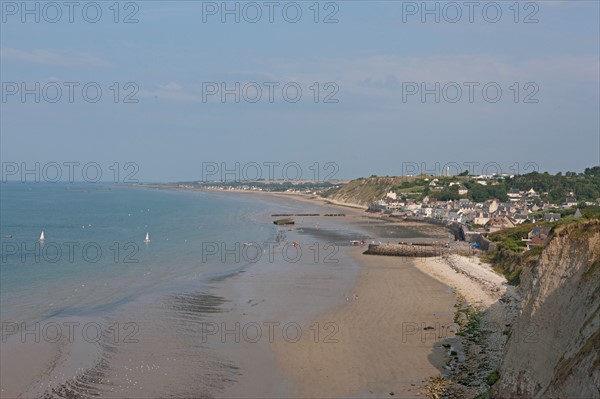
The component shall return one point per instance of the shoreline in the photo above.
(351, 210)
(370, 303)
(475, 287)
(390, 299)
(393, 298)
(309, 198)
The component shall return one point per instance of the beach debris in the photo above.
(283, 222)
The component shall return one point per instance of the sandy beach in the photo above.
(387, 338)
(379, 345)
(377, 331)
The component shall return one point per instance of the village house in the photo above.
(504, 209)
(551, 217)
(466, 205)
(481, 218)
(440, 212)
(531, 194)
(468, 217)
(537, 236)
(462, 190)
(425, 211)
(378, 206)
(412, 208)
(534, 242)
(490, 206)
(395, 206)
(499, 223)
(514, 195)
(455, 215)
(539, 231)
(436, 186)
(570, 202)
(521, 217)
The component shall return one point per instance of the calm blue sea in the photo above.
(94, 259)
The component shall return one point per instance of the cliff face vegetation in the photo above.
(553, 350)
(364, 191)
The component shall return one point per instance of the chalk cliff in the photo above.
(553, 350)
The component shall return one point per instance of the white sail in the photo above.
(147, 239)
(42, 236)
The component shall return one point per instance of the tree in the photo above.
(556, 196)
(595, 171)
(450, 193)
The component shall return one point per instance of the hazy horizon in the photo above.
(170, 85)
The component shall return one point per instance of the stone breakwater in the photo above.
(416, 250)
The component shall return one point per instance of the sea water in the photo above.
(144, 303)
(94, 257)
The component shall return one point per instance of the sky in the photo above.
(192, 90)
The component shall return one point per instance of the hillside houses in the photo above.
(491, 215)
(462, 190)
(461, 211)
(516, 195)
(521, 206)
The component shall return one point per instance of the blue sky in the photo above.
(371, 57)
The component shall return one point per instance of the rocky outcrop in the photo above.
(553, 350)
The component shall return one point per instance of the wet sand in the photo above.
(362, 319)
(375, 344)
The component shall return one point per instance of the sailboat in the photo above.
(147, 239)
(42, 238)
